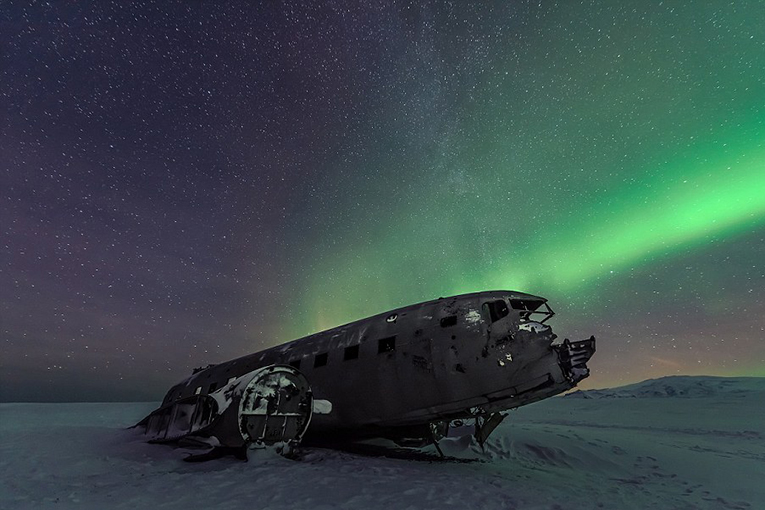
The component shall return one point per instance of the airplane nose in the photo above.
(573, 358)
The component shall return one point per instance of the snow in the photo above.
(674, 443)
(534, 327)
(473, 317)
(322, 406)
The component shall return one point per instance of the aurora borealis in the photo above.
(184, 183)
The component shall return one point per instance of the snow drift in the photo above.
(676, 442)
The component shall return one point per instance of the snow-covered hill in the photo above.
(681, 386)
(626, 448)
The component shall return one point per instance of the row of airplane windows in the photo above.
(495, 310)
(351, 352)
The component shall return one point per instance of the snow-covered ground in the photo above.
(676, 442)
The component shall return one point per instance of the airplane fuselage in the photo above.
(394, 373)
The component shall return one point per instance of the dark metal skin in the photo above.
(397, 373)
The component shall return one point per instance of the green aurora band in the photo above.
(607, 143)
(724, 195)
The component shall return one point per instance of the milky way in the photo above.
(183, 183)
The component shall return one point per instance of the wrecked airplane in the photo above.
(404, 375)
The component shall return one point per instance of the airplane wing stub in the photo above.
(270, 405)
(276, 407)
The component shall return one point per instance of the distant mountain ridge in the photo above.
(680, 386)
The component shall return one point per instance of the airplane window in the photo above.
(527, 306)
(521, 304)
(198, 390)
(386, 344)
(320, 360)
(496, 309)
(295, 363)
(451, 320)
(351, 352)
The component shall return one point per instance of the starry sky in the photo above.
(187, 182)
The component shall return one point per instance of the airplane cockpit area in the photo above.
(528, 309)
(404, 375)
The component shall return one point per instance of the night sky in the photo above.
(182, 183)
